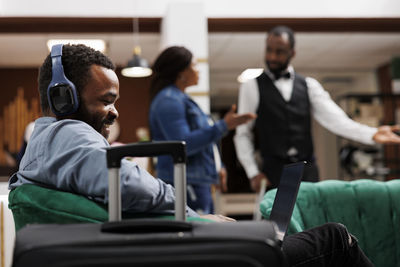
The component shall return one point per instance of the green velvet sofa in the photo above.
(370, 210)
(34, 204)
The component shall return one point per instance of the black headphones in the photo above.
(61, 93)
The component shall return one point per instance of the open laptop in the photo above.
(286, 195)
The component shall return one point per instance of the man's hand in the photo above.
(217, 218)
(233, 120)
(255, 182)
(386, 135)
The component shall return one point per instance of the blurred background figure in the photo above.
(13, 159)
(142, 134)
(175, 116)
(285, 102)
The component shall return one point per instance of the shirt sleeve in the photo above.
(79, 165)
(244, 138)
(171, 118)
(142, 193)
(327, 113)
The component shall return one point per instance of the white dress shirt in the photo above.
(323, 109)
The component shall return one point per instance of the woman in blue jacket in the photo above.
(175, 116)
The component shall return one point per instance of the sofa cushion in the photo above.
(370, 210)
(34, 204)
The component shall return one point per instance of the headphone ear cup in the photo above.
(61, 93)
(62, 99)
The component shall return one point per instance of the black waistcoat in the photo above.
(281, 125)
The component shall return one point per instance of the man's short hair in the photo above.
(280, 30)
(76, 60)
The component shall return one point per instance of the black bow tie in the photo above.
(285, 75)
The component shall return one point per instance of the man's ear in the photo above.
(293, 54)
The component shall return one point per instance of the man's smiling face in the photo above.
(97, 107)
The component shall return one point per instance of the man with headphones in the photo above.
(78, 90)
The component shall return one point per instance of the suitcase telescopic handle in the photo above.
(177, 149)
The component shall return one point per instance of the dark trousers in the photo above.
(326, 245)
(199, 198)
(272, 168)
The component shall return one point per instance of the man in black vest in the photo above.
(284, 102)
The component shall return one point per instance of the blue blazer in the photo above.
(174, 116)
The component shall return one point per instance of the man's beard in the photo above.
(277, 70)
(97, 124)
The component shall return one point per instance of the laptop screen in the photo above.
(286, 196)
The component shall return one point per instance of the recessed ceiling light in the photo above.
(248, 74)
(96, 44)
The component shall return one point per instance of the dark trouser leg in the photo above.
(272, 168)
(199, 198)
(326, 245)
(311, 173)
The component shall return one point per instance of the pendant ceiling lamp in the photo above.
(137, 66)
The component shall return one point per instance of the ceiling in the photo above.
(229, 53)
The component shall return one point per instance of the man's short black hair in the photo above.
(279, 30)
(76, 60)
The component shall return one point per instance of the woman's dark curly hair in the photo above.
(167, 67)
(76, 60)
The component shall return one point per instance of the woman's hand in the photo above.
(232, 119)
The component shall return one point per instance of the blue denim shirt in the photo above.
(70, 155)
(174, 116)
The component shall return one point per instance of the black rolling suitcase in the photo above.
(148, 242)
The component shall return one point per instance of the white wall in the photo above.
(7, 225)
(213, 8)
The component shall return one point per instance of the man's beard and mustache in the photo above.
(101, 125)
(277, 71)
